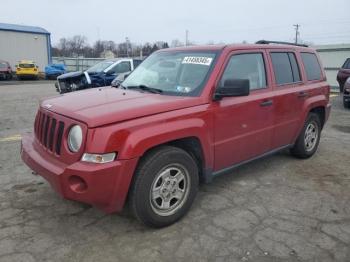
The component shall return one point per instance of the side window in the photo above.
(295, 67)
(346, 64)
(246, 66)
(285, 67)
(122, 67)
(312, 67)
(137, 63)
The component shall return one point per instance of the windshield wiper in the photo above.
(146, 88)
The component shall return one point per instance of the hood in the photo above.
(70, 75)
(101, 106)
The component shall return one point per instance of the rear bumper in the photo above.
(104, 186)
(28, 74)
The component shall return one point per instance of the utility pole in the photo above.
(186, 41)
(297, 26)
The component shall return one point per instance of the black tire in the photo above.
(149, 171)
(300, 148)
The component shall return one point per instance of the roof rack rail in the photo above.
(266, 42)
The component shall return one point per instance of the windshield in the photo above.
(174, 73)
(98, 68)
(3, 65)
(26, 65)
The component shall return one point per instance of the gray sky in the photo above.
(322, 22)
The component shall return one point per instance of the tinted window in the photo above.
(312, 67)
(122, 67)
(136, 63)
(346, 64)
(282, 68)
(26, 65)
(246, 66)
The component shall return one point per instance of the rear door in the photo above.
(243, 125)
(289, 96)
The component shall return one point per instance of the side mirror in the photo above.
(119, 79)
(233, 87)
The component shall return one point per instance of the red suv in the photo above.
(5, 70)
(184, 115)
(343, 74)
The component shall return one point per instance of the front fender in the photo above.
(133, 138)
(142, 140)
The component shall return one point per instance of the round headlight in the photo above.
(75, 138)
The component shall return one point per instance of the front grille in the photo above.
(49, 132)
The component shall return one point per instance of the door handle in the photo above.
(302, 94)
(266, 103)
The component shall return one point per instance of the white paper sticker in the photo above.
(197, 60)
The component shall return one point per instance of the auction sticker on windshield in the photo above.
(197, 60)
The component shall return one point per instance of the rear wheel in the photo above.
(165, 186)
(309, 138)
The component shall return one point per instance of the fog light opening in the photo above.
(77, 184)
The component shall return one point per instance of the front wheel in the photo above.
(165, 186)
(309, 138)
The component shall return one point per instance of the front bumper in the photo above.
(104, 186)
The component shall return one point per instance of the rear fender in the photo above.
(311, 103)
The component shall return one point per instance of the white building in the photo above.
(19, 42)
(333, 57)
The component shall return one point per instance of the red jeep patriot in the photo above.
(184, 115)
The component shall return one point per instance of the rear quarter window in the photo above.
(312, 67)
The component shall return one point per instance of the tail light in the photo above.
(19, 69)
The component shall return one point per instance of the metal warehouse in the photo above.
(19, 42)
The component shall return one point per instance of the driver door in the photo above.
(244, 125)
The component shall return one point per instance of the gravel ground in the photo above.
(275, 209)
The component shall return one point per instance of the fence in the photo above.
(76, 64)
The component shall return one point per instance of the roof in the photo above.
(23, 28)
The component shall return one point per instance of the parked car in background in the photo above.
(346, 93)
(27, 70)
(5, 70)
(343, 74)
(184, 115)
(52, 71)
(101, 74)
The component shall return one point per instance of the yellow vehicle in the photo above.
(27, 69)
